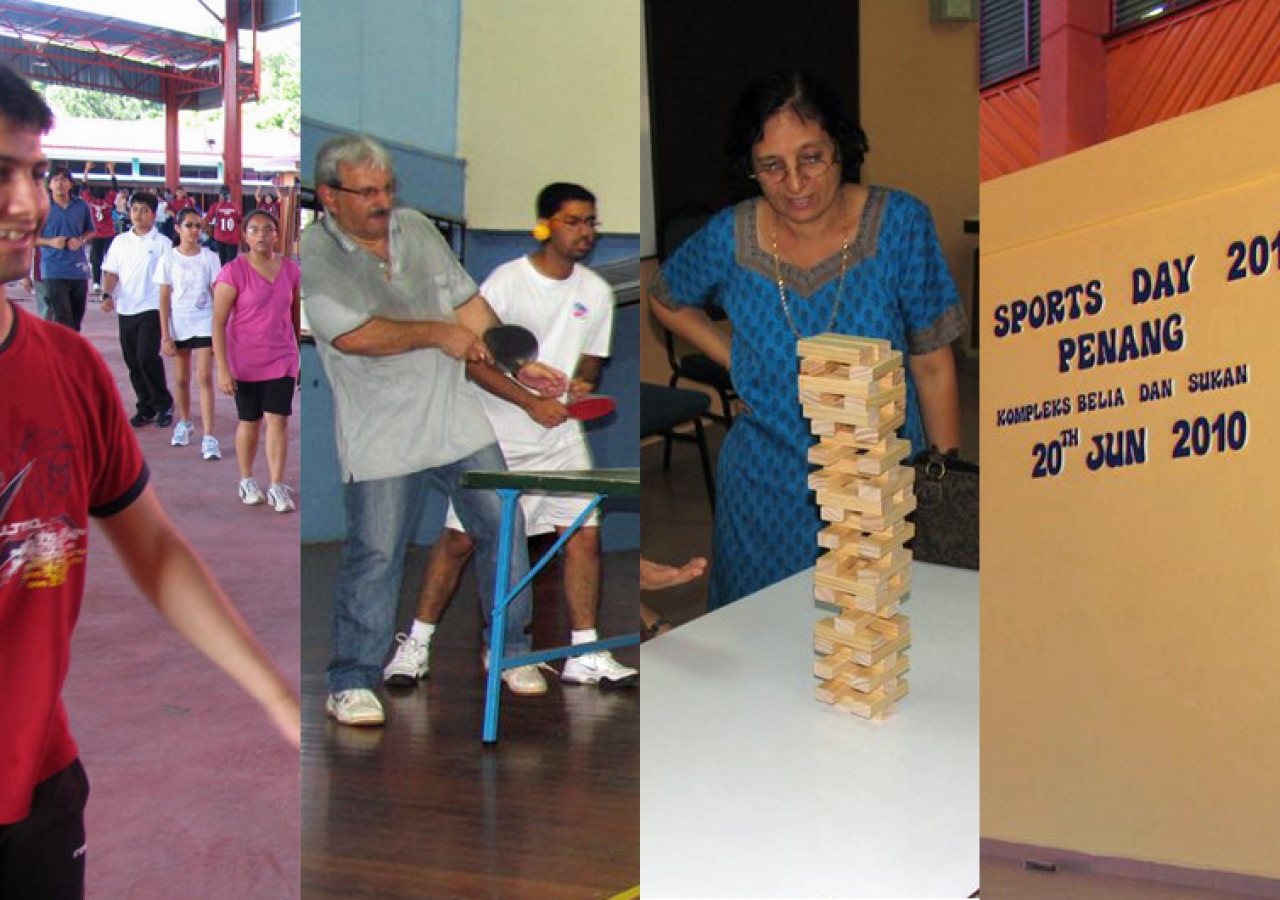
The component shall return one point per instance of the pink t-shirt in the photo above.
(261, 343)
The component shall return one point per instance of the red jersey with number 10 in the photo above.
(224, 216)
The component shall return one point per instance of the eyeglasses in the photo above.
(260, 229)
(574, 221)
(809, 165)
(367, 194)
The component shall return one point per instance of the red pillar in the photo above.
(1073, 74)
(231, 101)
(172, 156)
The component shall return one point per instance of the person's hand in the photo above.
(226, 383)
(74, 243)
(460, 342)
(543, 379)
(547, 412)
(286, 716)
(579, 389)
(656, 576)
(27, 283)
(167, 348)
(107, 304)
(57, 243)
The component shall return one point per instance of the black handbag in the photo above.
(946, 516)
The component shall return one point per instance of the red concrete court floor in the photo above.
(192, 794)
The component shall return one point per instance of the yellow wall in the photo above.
(1131, 616)
(919, 97)
(550, 92)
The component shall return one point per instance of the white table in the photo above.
(751, 788)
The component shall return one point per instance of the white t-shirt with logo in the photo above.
(191, 301)
(571, 318)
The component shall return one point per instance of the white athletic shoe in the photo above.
(410, 664)
(250, 493)
(181, 434)
(278, 497)
(358, 706)
(524, 680)
(598, 668)
(209, 448)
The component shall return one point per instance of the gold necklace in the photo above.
(782, 285)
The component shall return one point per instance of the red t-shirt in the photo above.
(66, 453)
(103, 226)
(176, 206)
(224, 216)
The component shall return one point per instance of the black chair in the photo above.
(704, 370)
(663, 410)
(695, 366)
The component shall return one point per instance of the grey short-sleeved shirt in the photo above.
(393, 415)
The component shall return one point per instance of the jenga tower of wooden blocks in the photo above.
(853, 391)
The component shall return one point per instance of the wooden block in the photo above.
(868, 545)
(868, 521)
(866, 651)
(866, 498)
(844, 381)
(882, 604)
(857, 435)
(876, 704)
(851, 460)
(865, 679)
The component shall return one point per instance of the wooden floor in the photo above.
(420, 809)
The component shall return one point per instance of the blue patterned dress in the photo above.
(896, 287)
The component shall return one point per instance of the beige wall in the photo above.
(920, 112)
(549, 92)
(1131, 615)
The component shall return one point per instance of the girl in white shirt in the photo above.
(185, 276)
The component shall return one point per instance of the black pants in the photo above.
(67, 297)
(97, 253)
(226, 252)
(42, 857)
(140, 344)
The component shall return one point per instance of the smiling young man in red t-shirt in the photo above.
(67, 454)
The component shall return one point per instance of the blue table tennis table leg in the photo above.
(502, 596)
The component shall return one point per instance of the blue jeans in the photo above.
(381, 516)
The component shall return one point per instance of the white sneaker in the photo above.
(525, 680)
(250, 493)
(410, 664)
(278, 497)
(358, 706)
(209, 448)
(181, 434)
(598, 668)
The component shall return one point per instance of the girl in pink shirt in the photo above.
(256, 322)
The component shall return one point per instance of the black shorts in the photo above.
(42, 857)
(195, 343)
(253, 398)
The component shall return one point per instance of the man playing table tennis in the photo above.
(570, 310)
(397, 323)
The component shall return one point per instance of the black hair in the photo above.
(64, 172)
(21, 104)
(262, 213)
(185, 213)
(556, 195)
(798, 91)
(144, 197)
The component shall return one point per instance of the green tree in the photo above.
(80, 103)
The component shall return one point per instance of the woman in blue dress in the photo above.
(813, 253)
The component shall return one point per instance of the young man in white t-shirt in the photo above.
(570, 309)
(127, 287)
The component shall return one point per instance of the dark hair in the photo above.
(98, 192)
(263, 214)
(20, 104)
(802, 94)
(62, 172)
(185, 213)
(556, 195)
(144, 197)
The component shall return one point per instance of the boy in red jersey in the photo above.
(224, 217)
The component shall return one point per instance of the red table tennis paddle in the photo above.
(591, 406)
